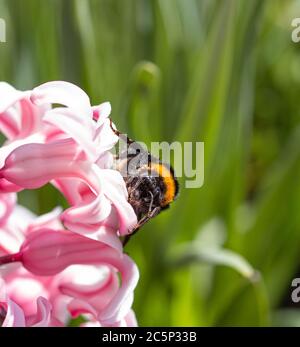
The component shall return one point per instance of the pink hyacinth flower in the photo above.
(66, 143)
(12, 315)
(52, 273)
(48, 252)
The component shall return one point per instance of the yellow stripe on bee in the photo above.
(168, 180)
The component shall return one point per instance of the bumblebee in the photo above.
(151, 184)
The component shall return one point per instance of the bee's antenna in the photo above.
(119, 134)
(113, 129)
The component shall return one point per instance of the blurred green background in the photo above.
(223, 72)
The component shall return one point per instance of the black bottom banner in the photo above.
(90, 337)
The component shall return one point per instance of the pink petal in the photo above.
(31, 118)
(94, 285)
(9, 241)
(33, 165)
(48, 220)
(24, 289)
(115, 190)
(75, 191)
(47, 252)
(105, 160)
(104, 138)
(9, 95)
(9, 123)
(76, 125)
(101, 112)
(43, 314)
(64, 93)
(78, 307)
(96, 232)
(8, 187)
(9, 147)
(7, 203)
(88, 213)
(130, 319)
(18, 116)
(14, 314)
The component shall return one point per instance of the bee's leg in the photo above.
(151, 203)
(146, 218)
(141, 222)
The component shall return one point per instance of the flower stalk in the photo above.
(10, 258)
